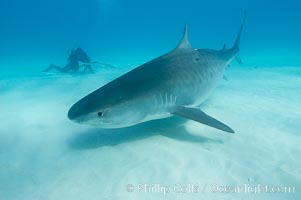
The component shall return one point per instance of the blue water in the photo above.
(43, 155)
(35, 32)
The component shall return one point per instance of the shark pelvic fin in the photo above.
(199, 116)
(184, 43)
(238, 59)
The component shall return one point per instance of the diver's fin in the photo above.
(184, 43)
(199, 116)
(238, 59)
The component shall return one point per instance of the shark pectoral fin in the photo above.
(199, 116)
(238, 59)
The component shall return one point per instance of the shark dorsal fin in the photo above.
(184, 43)
(224, 47)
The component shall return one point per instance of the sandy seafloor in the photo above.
(45, 156)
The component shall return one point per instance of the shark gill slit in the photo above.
(161, 102)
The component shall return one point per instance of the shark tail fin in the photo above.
(237, 41)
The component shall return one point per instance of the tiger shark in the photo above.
(176, 83)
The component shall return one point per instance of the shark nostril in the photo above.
(99, 114)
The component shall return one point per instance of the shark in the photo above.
(176, 83)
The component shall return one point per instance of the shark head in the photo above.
(107, 112)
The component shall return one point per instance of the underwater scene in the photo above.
(131, 100)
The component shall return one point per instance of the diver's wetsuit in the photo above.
(76, 56)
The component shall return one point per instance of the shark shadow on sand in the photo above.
(170, 127)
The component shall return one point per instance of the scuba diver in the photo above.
(73, 65)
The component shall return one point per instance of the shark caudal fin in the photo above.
(237, 41)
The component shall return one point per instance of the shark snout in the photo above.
(72, 114)
(81, 112)
(76, 113)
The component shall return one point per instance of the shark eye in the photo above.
(99, 114)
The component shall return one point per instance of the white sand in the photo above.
(45, 156)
